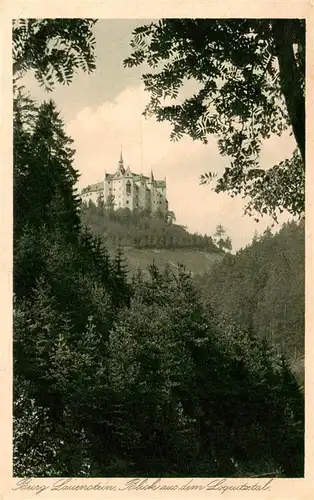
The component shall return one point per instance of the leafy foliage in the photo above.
(251, 78)
(53, 48)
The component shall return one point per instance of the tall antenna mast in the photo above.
(141, 129)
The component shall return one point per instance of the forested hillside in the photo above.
(139, 229)
(262, 288)
(147, 238)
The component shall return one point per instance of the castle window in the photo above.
(128, 188)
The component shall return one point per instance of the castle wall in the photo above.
(107, 188)
(142, 197)
(93, 193)
(123, 191)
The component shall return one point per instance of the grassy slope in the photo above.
(195, 261)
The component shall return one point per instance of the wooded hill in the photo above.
(140, 229)
(146, 239)
(262, 288)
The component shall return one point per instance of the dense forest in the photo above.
(140, 229)
(127, 376)
(114, 376)
(262, 288)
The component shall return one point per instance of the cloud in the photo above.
(100, 132)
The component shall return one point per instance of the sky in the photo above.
(103, 112)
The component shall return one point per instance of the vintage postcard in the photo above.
(157, 246)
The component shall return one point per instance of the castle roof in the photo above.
(139, 177)
(124, 172)
(160, 183)
(93, 187)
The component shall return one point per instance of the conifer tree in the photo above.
(205, 391)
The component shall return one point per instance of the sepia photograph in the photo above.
(158, 247)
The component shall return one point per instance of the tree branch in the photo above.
(290, 79)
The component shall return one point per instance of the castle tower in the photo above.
(128, 171)
(121, 163)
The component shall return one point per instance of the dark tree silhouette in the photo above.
(251, 79)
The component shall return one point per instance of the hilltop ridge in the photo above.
(146, 239)
(141, 229)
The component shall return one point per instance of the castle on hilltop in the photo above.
(124, 189)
